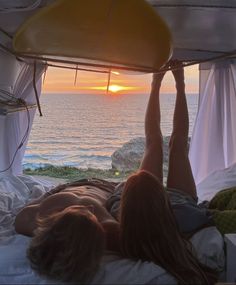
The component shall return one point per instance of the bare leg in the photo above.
(153, 155)
(180, 174)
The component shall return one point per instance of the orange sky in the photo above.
(62, 81)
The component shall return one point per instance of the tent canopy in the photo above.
(198, 28)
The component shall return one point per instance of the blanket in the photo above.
(223, 208)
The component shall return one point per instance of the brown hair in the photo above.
(67, 246)
(149, 231)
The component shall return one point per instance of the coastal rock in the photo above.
(128, 157)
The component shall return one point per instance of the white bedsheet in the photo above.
(216, 181)
(15, 193)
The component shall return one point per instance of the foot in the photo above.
(157, 79)
(178, 73)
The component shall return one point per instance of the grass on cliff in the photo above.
(72, 173)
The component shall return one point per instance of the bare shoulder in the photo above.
(25, 222)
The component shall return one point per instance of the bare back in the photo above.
(86, 195)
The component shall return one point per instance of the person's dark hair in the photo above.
(149, 231)
(67, 246)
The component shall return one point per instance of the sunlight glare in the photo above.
(115, 88)
(115, 72)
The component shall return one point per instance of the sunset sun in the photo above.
(114, 88)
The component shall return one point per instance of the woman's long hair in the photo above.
(149, 231)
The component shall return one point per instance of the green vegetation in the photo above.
(72, 173)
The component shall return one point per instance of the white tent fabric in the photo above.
(214, 135)
(201, 29)
(16, 78)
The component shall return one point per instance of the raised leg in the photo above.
(153, 155)
(180, 174)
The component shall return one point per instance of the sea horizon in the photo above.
(83, 130)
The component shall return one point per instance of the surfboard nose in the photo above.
(125, 33)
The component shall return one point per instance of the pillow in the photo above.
(209, 247)
(14, 265)
(116, 270)
(15, 268)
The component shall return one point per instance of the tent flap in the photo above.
(17, 79)
(214, 135)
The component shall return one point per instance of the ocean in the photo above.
(84, 130)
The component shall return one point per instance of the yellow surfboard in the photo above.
(117, 33)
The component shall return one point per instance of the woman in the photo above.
(155, 222)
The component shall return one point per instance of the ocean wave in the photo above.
(84, 161)
(91, 156)
(44, 157)
(34, 166)
(85, 164)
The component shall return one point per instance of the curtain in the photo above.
(213, 143)
(13, 126)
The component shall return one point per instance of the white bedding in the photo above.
(15, 192)
(216, 181)
(15, 267)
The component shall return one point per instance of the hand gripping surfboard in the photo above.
(111, 33)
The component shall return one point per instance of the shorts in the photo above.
(189, 216)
